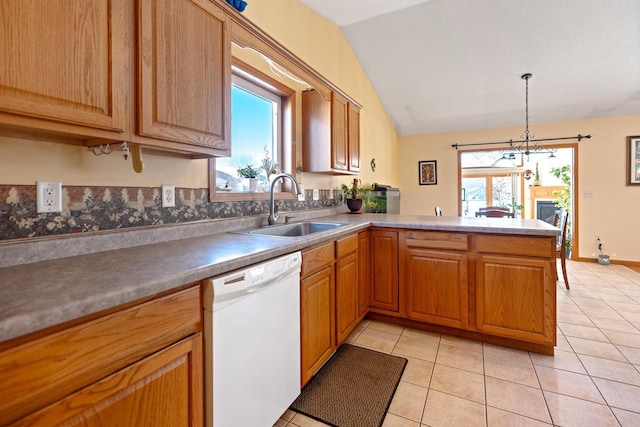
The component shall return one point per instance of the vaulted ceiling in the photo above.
(446, 65)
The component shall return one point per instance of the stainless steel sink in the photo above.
(296, 229)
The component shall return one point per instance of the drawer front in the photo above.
(317, 258)
(43, 371)
(438, 240)
(346, 245)
(521, 245)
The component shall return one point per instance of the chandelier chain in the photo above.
(522, 147)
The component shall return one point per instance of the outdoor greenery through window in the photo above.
(499, 179)
(256, 136)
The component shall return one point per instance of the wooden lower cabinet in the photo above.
(347, 292)
(330, 305)
(163, 390)
(317, 324)
(384, 293)
(511, 300)
(364, 278)
(139, 366)
(437, 287)
(495, 287)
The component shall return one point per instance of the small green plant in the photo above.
(247, 172)
(515, 207)
(270, 167)
(355, 190)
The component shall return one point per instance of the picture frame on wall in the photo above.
(633, 160)
(428, 172)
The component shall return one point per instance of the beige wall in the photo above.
(311, 37)
(612, 212)
(322, 45)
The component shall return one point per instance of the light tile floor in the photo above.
(593, 379)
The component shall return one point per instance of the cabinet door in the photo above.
(317, 324)
(48, 369)
(65, 61)
(384, 292)
(347, 306)
(364, 262)
(184, 79)
(165, 389)
(354, 138)
(516, 297)
(437, 287)
(339, 133)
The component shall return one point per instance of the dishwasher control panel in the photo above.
(254, 277)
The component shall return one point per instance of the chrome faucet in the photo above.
(273, 211)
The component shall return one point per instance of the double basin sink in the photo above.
(297, 229)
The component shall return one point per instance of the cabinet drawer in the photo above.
(317, 258)
(438, 240)
(346, 245)
(521, 245)
(43, 371)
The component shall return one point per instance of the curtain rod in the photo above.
(511, 142)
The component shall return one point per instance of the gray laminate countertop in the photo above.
(38, 295)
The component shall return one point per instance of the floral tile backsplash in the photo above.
(87, 209)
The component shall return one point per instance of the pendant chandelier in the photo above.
(527, 145)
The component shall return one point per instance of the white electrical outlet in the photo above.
(168, 196)
(316, 194)
(331, 194)
(48, 196)
(301, 197)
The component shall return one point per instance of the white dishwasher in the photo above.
(252, 347)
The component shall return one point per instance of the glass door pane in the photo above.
(475, 195)
(502, 191)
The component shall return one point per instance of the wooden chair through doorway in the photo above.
(494, 213)
(560, 221)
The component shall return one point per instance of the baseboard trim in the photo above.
(630, 264)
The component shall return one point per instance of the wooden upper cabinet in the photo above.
(353, 133)
(184, 75)
(64, 64)
(339, 124)
(330, 134)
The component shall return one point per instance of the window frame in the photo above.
(287, 127)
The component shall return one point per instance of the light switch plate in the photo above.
(316, 194)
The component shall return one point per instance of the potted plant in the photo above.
(248, 172)
(536, 178)
(354, 194)
(270, 168)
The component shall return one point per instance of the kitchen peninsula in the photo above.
(490, 279)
